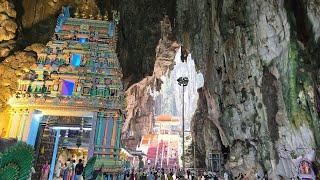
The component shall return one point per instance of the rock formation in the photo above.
(260, 98)
(8, 28)
(140, 103)
(13, 68)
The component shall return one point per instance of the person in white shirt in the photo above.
(225, 175)
(32, 171)
(58, 169)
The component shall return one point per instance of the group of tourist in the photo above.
(67, 171)
(161, 174)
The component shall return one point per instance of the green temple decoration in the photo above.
(16, 162)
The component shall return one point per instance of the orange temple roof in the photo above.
(166, 118)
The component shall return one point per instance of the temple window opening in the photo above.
(83, 40)
(67, 87)
(76, 60)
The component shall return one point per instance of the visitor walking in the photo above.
(69, 170)
(132, 175)
(150, 175)
(170, 176)
(58, 169)
(79, 170)
(162, 175)
(45, 171)
(73, 169)
(226, 176)
(65, 171)
(188, 175)
(32, 171)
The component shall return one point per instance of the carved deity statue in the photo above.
(56, 85)
(105, 17)
(77, 14)
(116, 16)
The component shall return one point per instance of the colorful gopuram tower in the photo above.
(77, 75)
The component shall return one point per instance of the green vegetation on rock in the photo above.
(296, 83)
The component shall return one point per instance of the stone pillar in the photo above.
(118, 138)
(54, 154)
(108, 137)
(22, 128)
(34, 126)
(105, 134)
(92, 135)
(99, 132)
(15, 123)
(27, 126)
(114, 137)
(11, 114)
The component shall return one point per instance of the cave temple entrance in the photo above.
(74, 89)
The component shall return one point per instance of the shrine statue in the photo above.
(29, 88)
(99, 17)
(78, 89)
(44, 89)
(3, 133)
(56, 85)
(93, 91)
(305, 167)
(116, 16)
(86, 91)
(101, 81)
(105, 17)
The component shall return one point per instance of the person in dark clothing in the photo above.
(155, 175)
(127, 175)
(188, 174)
(132, 175)
(79, 170)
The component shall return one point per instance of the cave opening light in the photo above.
(169, 99)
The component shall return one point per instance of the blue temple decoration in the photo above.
(62, 18)
(83, 40)
(66, 11)
(76, 60)
(67, 87)
(111, 29)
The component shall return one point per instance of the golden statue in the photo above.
(99, 17)
(91, 16)
(76, 14)
(84, 15)
(87, 8)
(105, 17)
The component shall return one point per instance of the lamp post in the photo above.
(183, 81)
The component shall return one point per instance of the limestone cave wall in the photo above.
(261, 91)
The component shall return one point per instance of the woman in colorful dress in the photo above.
(45, 171)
